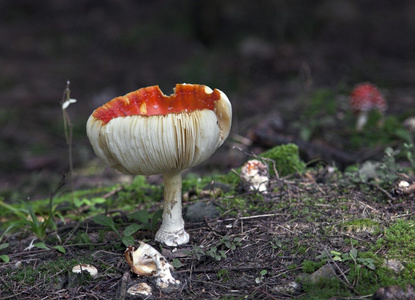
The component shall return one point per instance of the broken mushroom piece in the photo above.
(147, 261)
(404, 187)
(147, 133)
(85, 268)
(364, 98)
(140, 260)
(255, 176)
(140, 289)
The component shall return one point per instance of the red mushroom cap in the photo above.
(151, 101)
(366, 97)
(146, 132)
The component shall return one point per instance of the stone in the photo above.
(198, 211)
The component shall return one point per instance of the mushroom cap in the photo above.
(85, 268)
(146, 132)
(365, 97)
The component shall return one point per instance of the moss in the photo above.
(82, 238)
(358, 225)
(138, 192)
(399, 239)
(309, 266)
(287, 159)
(322, 102)
(27, 275)
(324, 289)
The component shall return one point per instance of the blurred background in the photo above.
(286, 65)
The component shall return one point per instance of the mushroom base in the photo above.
(169, 238)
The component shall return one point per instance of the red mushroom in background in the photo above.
(364, 98)
(146, 132)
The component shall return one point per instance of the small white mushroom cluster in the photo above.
(255, 176)
(147, 261)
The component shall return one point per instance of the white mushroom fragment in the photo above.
(141, 289)
(255, 176)
(403, 187)
(409, 124)
(85, 268)
(147, 261)
(147, 133)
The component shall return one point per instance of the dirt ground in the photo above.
(269, 57)
(277, 240)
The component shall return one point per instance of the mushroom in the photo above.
(255, 176)
(147, 261)
(85, 268)
(140, 259)
(364, 98)
(140, 289)
(146, 132)
(409, 124)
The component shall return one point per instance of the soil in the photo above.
(277, 241)
(270, 59)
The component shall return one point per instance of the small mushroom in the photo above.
(364, 98)
(403, 187)
(255, 176)
(85, 268)
(147, 261)
(409, 124)
(147, 133)
(140, 289)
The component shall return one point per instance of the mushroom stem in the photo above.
(172, 231)
(361, 120)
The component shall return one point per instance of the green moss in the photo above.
(309, 266)
(82, 238)
(138, 192)
(358, 225)
(399, 239)
(324, 289)
(223, 275)
(286, 158)
(27, 275)
(380, 131)
(322, 102)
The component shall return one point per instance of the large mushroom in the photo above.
(146, 132)
(366, 97)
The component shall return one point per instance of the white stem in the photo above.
(172, 231)
(361, 120)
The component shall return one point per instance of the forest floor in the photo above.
(338, 229)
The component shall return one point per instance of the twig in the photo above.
(67, 125)
(381, 189)
(402, 215)
(345, 280)
(215, 270)
(260, 158)
(109, 194)
(95, 257)
(124, 282)
(211, 228)
(251, 217)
